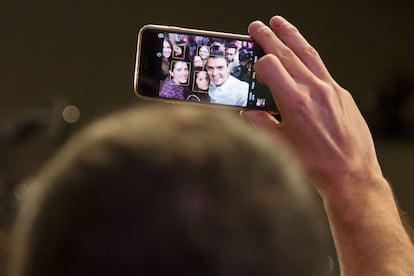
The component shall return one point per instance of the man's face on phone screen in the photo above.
(217, 69)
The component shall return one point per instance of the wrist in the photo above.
(348, 185)
(365, 222)
(353, 195)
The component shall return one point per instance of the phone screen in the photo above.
(200, 67)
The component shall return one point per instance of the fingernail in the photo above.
(277, 21)
(252, 24)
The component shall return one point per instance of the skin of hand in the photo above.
(323, 126)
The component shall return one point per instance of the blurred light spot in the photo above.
(71, 114)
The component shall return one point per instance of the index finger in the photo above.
(272, 44)
(271, 72)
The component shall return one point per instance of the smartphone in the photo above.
(178, 64)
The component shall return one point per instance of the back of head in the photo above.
(170, 190)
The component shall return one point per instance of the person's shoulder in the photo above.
(239, 82)
(168, 83)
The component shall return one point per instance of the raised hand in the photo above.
(331, 140)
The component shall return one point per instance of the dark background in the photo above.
(58, 53)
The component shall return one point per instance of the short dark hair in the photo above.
(171, 190)
(231, 45)
(215, 52)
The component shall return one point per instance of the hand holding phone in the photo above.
(186, 65)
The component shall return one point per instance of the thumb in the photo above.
(262, 120)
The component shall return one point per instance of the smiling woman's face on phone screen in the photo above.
(179, 73)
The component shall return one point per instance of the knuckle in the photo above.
(325, 88)
(291, 29)
(266, 32)
(301, 106)
(309, 51)
(346, 93)
(285, 54)
(322, 93)
(266, 59)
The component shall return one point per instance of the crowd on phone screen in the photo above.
(184, 57)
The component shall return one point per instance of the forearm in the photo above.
(368, 232)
